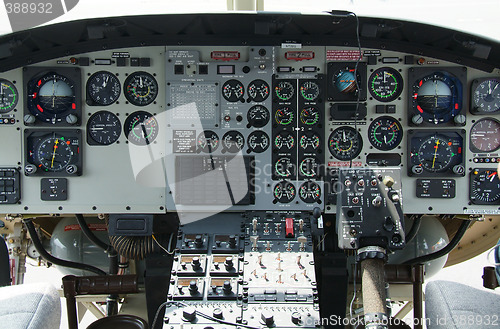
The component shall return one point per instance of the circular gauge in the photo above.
(310, 116)
(103, 88)
(485, 135)
(385, 133)
(53, 154)
(51, 98)
(310, 192)
(258, 90)
(284, 192)
(258, 141)
(486, 96)
(141, 88)
(344, 81)
(208, 141)
(258, 116)
(141, 128)
(435, 153)
(233, 141)
(284, 116)
(309, 167)
(386, 84)
(284, 167)
(104, 128)
(309, 90)
(233, 90)
(435, 98)
(285, 140)
(345, 143)
(485, 186)
(310, 141)
(284, 90)
(8, 96)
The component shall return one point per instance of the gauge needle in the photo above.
(435, 153)
(343, 137)
(105, 82)
(54, 153)
(436, 93)
(140, 82)
(492, 176)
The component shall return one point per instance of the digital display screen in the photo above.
(225, 69)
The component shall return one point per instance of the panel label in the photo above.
(184, 141)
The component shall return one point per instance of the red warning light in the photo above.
(459, 150)
(225, 55)
(39, 108)
(420, 83)
(39, 83)
(73, 106)
(299, 55)
(456, 106)
(420, 109)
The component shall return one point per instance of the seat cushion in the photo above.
(453, 305)
(30, 306)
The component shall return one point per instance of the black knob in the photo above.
(229, 263)
(227, 287)
(296, 317)
(189, 314)
(193, 286)
(198, 241)
(267, 318)
(232, 241)
(316, 212)
(218, 313)
(196, 263)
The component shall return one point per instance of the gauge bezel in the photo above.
(145, 116)
(472, 147)
(12, 105)
(232, 148)
(472, 177)
(399, 137)
(128, 96)
(310, 200)
(232, 98)
(458, 135)
(357, 151)
(204, 133)
(301, 93)
(91, 100)
(258, 98)
(317, 170)
(91, 139)
(252, 122)
(31, 77)
(399, 84)
(333, 93)
(32, 140)
(474, 109)
(262, 135)
(454, 77)
(284, 184)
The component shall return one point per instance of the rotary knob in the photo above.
(227, 287)
(218, 314)
(198, 241)
(296, 318)
(189, 314)
(267, 318)
(193, 287)
(229, 263)
(196, 263)
(232, 241)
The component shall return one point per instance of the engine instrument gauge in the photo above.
(485, 135)
(103, 128)
(310, 192)
(233, 141)
(51, 98)
(53, 153)
(141, 128)
(486, 96)
(208, 141)
(310, 116)
(284, 167)
(485, 187)
(436, 98)
(258, 141)
(310, 142)
(309, 90)
(103, 88)
(345, 143)
(140, 88)
(284, 192)
(258, 116)
(8, 96)
(385, 133)
(436, 153)
(233, 90)
(385, 84)
(309, 167)
(258, 90)
(284, 116)
(284, 90)
(285, 140)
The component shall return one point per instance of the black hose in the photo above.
(412, 233)
(90, 235)
(57, 261)
(4, 264)
(449, 247)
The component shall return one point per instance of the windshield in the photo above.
(476, 17)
